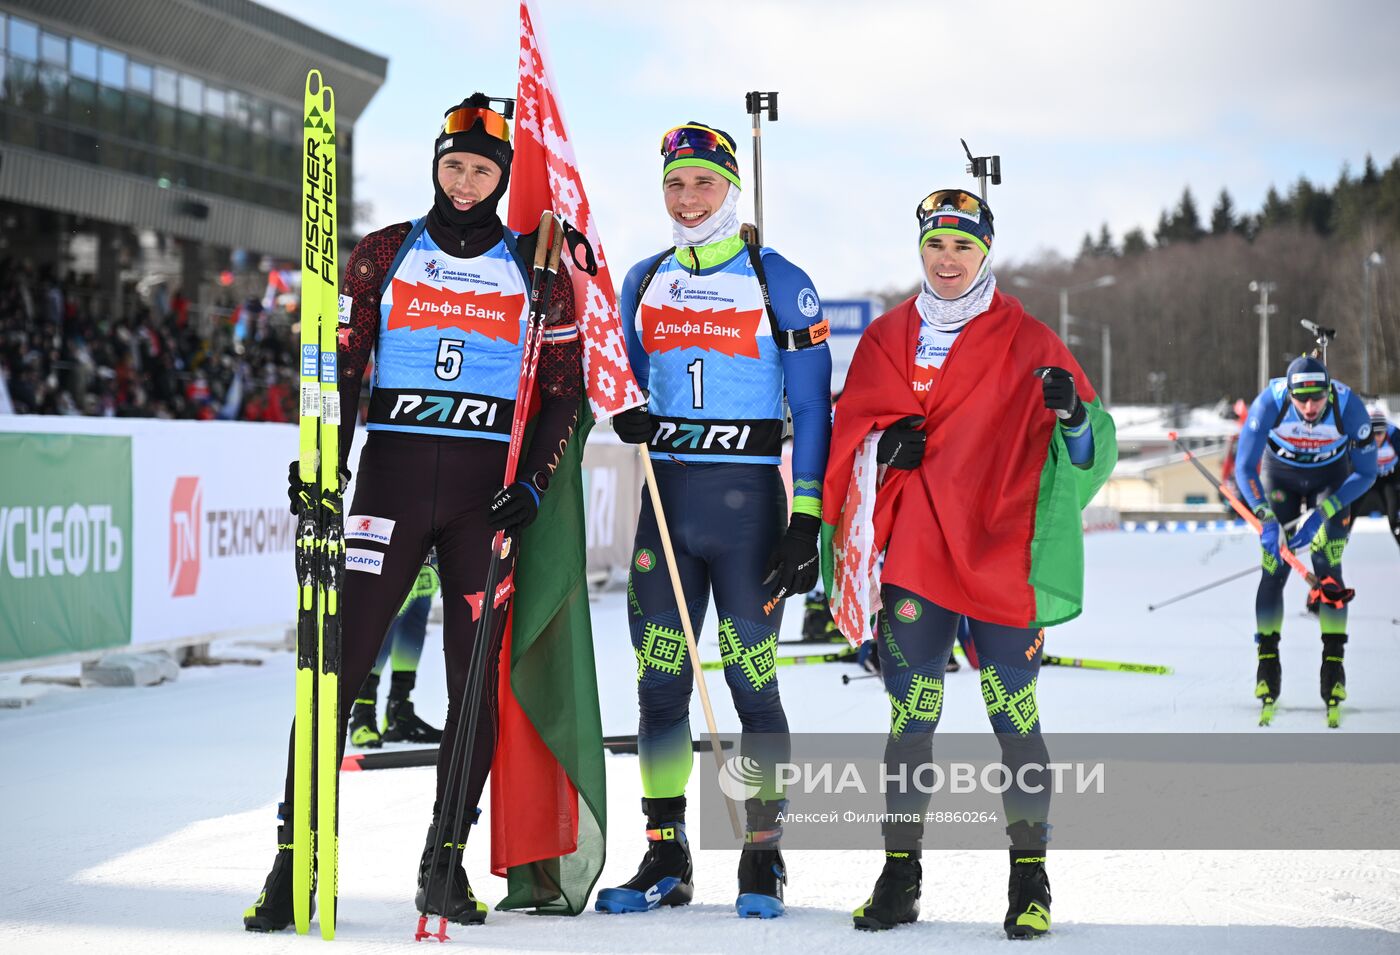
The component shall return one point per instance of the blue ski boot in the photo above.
(666, 874)
(762, 873)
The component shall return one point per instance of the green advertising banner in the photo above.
(65, 544)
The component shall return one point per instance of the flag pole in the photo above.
(686, 625)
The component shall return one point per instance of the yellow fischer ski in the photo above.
(320, 546)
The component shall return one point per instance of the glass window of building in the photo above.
(83, 59)
(236, 130)
(191, 94)
(190, 135)
(259, 118)
(215, 103)
(111, 68)
(53, 85)
(166, 87)
(82, 101)
(165, 126)
(281, 125)
(236, 108)
(138, 116)
(139, 77)
(53, 50)
(24, 39)
(22, 83)
(110, 106)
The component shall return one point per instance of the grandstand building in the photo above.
(136, 129)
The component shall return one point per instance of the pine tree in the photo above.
(1164, 233)
(1104, 248)
(1086, 248)
(1275, 211)
(1187, 222)
(1222, 217)
(1134, 242)
(1369, 176)
(1311, 207)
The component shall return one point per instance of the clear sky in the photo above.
(1101, 112)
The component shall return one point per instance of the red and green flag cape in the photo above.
(989, 523)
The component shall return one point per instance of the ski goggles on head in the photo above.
(463, 118)
(698, 138)
(953, 200)
(958, 213)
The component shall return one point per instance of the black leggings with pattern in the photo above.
(916, 637)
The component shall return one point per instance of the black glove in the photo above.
(296, 490)
(793, 566)
(1060, 396)
(635, 425)
(514, 506)
(902, 444)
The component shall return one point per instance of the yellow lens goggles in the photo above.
(463, 118)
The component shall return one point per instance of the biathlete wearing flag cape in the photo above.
(718, 359)
(442, 303)
(981, 440)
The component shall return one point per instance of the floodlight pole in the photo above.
(1265, 310)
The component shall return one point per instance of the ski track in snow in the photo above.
(142, 821)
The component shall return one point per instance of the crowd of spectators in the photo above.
(67, 349)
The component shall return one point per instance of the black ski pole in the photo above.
(546, 265)
(1200, 590)
(1223, 580)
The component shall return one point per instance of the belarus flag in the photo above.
(548, 798)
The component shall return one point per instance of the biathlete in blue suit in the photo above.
(1307, 440)
(719, 332)
(1384, 495)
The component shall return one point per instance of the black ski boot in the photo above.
(817, 625)
(402, 725)
(1028, 895)
(443, 889)
(1269, 677)
(1028, 892)
(364, 725)
(666, 875)
(1334, 676)
(272, 912)
(762, 872)
(895, 899)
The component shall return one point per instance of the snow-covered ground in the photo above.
(142, 820)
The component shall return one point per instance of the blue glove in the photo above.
(1268, 538)
(1313, 525)
(1268, 530)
